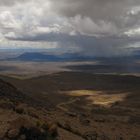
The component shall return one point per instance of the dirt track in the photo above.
(61, 105)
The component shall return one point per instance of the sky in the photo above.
(88, 27)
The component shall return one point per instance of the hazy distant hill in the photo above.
(37, 56)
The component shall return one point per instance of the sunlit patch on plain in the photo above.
(98, 97)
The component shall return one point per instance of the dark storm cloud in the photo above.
(80, 39)
(99, 27)
(94, 8)
(95, 16)
(115, 11)
(122, 14)
(88, 45)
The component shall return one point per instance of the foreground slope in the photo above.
(20, 121)
(88, 106)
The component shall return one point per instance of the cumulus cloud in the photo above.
(90, 26)
(10, 2)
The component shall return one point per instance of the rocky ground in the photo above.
(71, 118)
(19, 121)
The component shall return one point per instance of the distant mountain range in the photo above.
(37, 56)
